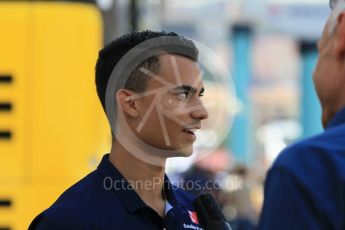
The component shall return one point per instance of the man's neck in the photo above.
(147, 179)
(331, 108)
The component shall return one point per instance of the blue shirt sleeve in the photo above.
(287, 204)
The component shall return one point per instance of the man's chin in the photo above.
(174, 151)
(184, 152)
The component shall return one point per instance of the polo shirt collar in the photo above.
(338, 119)
(171, 194)
(129, 198)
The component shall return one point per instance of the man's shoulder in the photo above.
(81, 191)
(316, 164)
(58, 217)
(327, 146)
(83, 204)
(313, 168)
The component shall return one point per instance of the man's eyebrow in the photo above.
(189, 89)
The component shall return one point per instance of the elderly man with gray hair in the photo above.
(305, 187)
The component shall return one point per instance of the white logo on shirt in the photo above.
(190, 226)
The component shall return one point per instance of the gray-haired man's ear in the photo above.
(340, 36)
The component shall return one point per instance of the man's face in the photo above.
(326, 75)
(169, 117)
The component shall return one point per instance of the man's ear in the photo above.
(126, 103)
(340, 37)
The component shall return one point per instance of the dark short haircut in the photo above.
(112, 53)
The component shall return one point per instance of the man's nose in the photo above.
(200, 112)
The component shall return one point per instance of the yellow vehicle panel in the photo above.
(52, 127)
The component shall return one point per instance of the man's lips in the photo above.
(191, 130)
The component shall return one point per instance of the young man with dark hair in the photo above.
(129, 191)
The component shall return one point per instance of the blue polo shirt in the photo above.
(105, 200)
(305, 188)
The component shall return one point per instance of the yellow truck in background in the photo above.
(52, 127)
